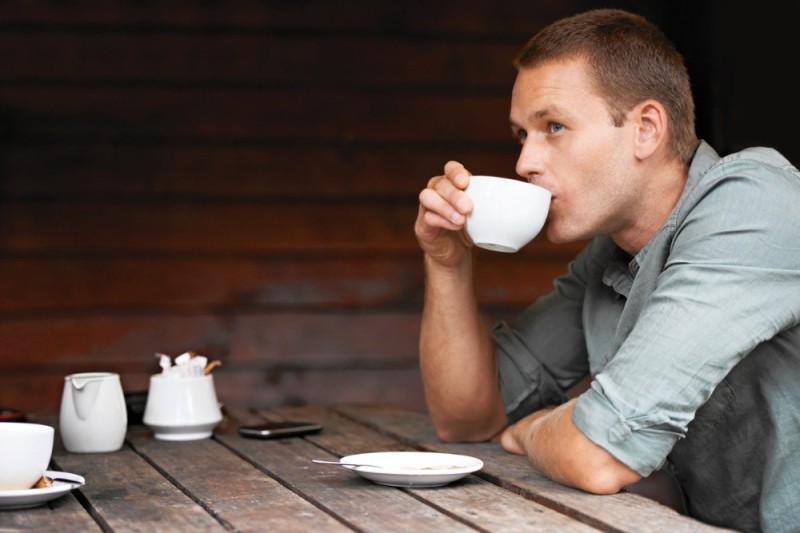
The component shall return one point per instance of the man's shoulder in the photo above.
(755, 161)
(761, 155)
(749, 177)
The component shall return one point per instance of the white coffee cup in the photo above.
(25, 451)
(182, 408)
(506, 213)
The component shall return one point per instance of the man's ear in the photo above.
(651, 122)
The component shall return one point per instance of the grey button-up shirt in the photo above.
(694, 343)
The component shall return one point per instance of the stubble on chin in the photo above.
(555, 232)
(558, 232)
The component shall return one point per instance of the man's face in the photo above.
(570, 147)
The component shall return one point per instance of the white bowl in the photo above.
(183, 432)
(182, 408)
(506, 213)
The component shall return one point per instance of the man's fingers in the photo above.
(509, 441)
(437, 200)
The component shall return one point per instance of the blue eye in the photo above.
(522, 135)
(555, 127)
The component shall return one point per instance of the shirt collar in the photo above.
(622, 268)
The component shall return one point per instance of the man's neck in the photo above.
(660, 196)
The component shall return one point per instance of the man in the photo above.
(683, 309)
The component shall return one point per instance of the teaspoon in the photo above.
(339, 463)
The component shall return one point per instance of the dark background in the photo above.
(240, 178)
(740, 57)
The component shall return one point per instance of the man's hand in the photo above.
(514, 436)
(443, 210)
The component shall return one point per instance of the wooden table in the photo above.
(237, 484)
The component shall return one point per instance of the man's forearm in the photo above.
(556, 446)
(457, 358)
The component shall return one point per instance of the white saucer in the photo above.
(413, 469)
(21, 499)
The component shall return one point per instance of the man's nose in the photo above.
(530, 163)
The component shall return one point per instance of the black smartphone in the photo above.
(279, 430)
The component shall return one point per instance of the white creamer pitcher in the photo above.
(93, 416)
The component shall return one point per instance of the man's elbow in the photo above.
(472, 425)
(607, 479)
(463, 432)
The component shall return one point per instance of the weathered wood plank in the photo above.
(278, 340)
(190, 227)
(240, 496)
(38, 392)
(83, 343)
(99, 285)
(285, 116)
(106, 173)
(51, 516)
(145, 501)
(196, 227)
(618, 512)
(400, 387)
(182, 227)
(466, 17)
(66, 57)
(365, 506)
(488, 506)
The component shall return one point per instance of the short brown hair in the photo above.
(630, 61)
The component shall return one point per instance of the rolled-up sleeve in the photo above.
(544, 350)
(730, 281)
(641, 442)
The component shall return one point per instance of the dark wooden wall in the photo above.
(240, 179)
